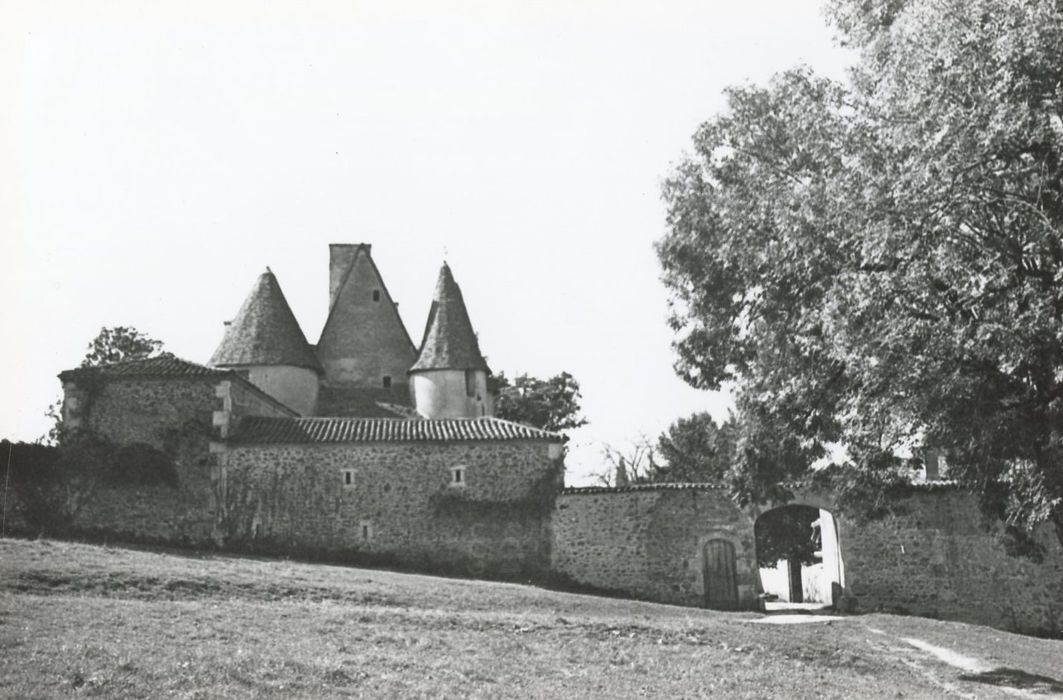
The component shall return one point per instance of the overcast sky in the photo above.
(154, 161)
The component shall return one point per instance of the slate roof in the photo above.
(257, 430)
(265, 332)
(155, 367)
(449, 340)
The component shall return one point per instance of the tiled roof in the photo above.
(449, 340)
(258, 430)
(265, 332)
(164, 366)
(588, 490)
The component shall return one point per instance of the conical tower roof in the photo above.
(265, 331)
(449, 341)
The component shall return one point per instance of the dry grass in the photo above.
(80, 620)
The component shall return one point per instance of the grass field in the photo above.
(87, 621)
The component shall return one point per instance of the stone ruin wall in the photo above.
(931, 558)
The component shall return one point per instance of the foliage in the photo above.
(880, 263)
(116, 344)
(52, 483)
(120, 344)
(695, 449)
(786, 534)
(551, 404)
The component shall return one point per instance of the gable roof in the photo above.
(259, 430)
(265, 332)
(334, 295)
(164, 366)
(168, 367)
(449, 340)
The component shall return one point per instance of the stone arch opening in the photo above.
(799, 556)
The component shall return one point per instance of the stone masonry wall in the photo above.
(148, 411)
(930, 558)
(402, 504)
(935, 559)
(648, 542)
(170, 415)
(174, 416)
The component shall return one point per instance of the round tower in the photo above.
(449, 378)
(265, 344)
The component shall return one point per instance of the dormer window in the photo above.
(376, 295)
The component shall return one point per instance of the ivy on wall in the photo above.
(537, 500)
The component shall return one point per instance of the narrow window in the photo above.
(348, 478)
(365, 528)
(376, 295)
(470, 382)
(387, 381)
(457, 476)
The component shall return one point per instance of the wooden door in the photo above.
(721, 581)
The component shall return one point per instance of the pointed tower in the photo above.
(449, 379)
(266, 345)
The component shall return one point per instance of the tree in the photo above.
(116, 344)
(120, 344)
(695, 449)
(880, 262)
(550, 404)
(632, 464)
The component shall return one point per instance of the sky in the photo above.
(156, 157)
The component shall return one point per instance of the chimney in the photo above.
(341, 258)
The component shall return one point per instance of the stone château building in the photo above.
(364, 363)
(368, 447)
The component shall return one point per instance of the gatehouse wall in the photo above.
(931, 556)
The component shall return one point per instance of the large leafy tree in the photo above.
(879, 262)
(550, 404)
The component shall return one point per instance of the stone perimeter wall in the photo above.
(648, 543)
(931, 558)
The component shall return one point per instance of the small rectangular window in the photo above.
(457, 476)
(365, 529)
(376, 295)
(470, 382)
(348, 478)
(387, 381)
